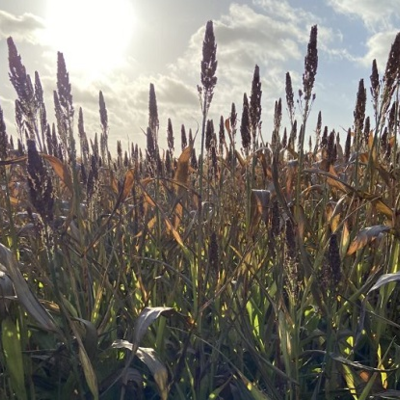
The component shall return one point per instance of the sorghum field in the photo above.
(243, 270)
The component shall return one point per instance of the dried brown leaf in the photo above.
(241, 160)
(17, 160)
(366, 236)
(302, 222)
(385, 175)
(335, 182)
(61, 170)
(345, 240)
(228, 129)
(127, 185)
(363, 158)
(182, 171)
(149, 200)
(14, 201)
(178, 215)
(307, 191)
(174, 232)
(114, 185)
(332, 217)
(259, 204)
(383, 208)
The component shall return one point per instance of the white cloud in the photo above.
(23, 28)
(376, 15)
(381, 20)
(270, 33)
(245, 38)
(7, 104)
(285, 12)
(378, 46)
(172, 89)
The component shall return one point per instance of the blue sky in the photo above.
(121, 47)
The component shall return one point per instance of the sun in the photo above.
(93, 35)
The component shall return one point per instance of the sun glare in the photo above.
(93, 34)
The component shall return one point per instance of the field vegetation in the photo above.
(244, 270)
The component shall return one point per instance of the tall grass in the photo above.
(254, 271)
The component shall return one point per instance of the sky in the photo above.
(121, 46)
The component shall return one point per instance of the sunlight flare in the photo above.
(93, 34)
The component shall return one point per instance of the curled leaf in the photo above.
(366, 236)
(150, 358)
(122, 344)
(146, 318)
(384, 280)
(334, 181)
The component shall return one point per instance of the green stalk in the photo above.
(198, 264)
(199, 282)
(13, 241)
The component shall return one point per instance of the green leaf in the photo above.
(90, 338)
(88, 370)
(358, 365)
(157, 368)
(13, 354)
(90, 375)
(150, 358)
(122, 344)
(28, 300)
(388, 394)
(252, 388)
(146, 318)
(132, 375)
(384, 280)
(216, 392)
(6, 293)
